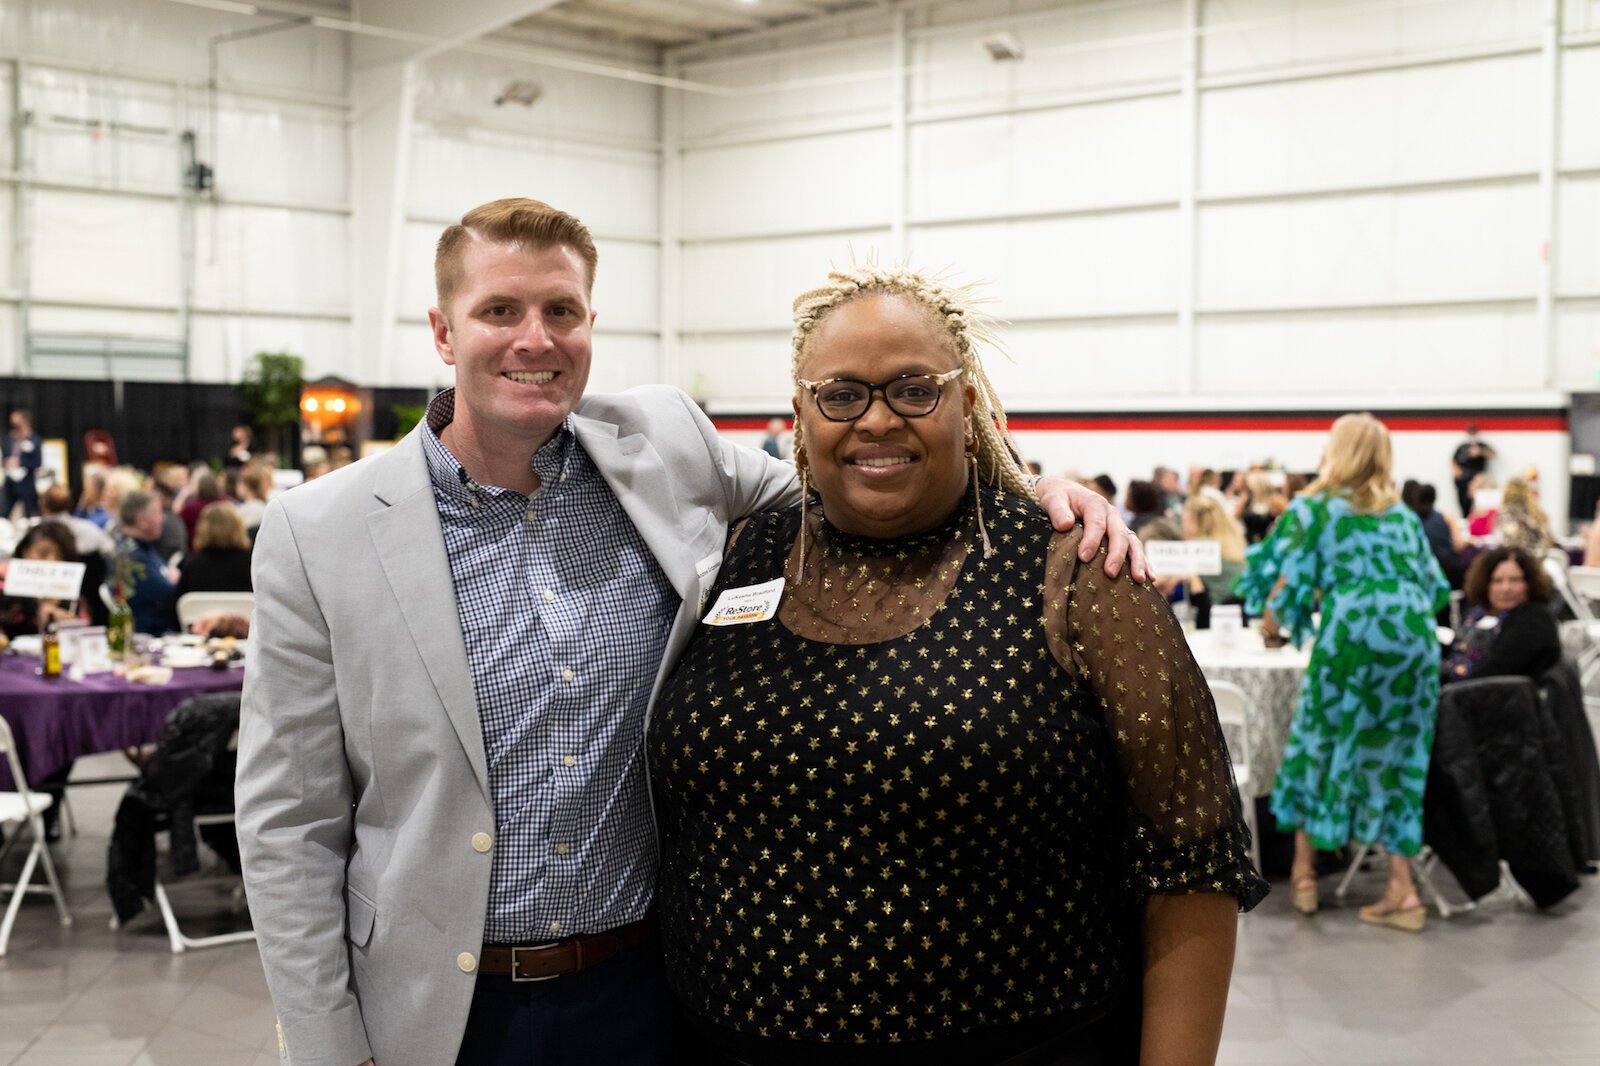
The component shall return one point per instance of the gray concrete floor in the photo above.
(1501, 986)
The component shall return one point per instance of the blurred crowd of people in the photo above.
(144, 537)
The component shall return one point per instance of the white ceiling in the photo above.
(664, 23)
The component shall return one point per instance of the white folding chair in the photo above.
(25, 807)
(177, 939)
(1577, 585)
(194, 605)
(1234, 710)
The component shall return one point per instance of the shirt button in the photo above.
(566, 675)
(549, 595)
(467, 962)
(562, 848)
(568, 760)
(481, 842)
(532, 515)
(555, 927)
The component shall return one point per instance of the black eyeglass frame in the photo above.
(882, 388)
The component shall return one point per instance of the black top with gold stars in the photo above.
(925, 802)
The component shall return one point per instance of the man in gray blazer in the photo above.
(442, 808)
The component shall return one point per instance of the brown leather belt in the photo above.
(540, 962)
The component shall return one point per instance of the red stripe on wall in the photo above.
(1448, 423)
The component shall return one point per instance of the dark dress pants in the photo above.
(619, 1013)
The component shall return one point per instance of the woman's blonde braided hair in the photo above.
(953, 306)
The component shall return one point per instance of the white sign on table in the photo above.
(43, 579)
(1172, 557)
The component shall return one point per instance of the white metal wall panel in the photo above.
(627, 289)
(414, 361)
(1067, 159)
(751, 285)
(1441, 244)
(842, 81)
(1250, 35)
(96, 247)
(1439, 122)
(1386, 355)
(748, 372)
(281, 151)
(1578, 248)
(101, 130)
(169, 40)
(1072, 52)
(253, 258)
(836, 182)
(454, 170)
(1580, 86)
(1093, 265)
(1578, 345)
(464, 86)
(1058, 367)
(8, 339)
(622, 362)
(224, 344)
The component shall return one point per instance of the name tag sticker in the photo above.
(742, 606)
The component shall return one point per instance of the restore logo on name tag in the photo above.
(741, 606)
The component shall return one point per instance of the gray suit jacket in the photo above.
(363, 792)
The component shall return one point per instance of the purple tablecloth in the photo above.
(56, 720)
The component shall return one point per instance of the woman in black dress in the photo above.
(220, 561)
(934, 789)
(1510, 629)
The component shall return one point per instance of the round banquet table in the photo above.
(1271, 678)
(56, 720)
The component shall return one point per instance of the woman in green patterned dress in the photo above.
(1357, 756)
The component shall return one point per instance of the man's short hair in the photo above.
(528, 223)
(55, 500)
(133, 505)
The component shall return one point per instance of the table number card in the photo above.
(1173, 557)
(45, 580)
(92, 653)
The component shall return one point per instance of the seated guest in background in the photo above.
(1206, 518)
(1037, 858)
(174, 539)
(1485, 497)
(1258, 506)
(1520, 521)
(21, 615)
(1106, 487)
(1510, 628)
(1591, 540)
(119, 482)
(251, 489)
(87, 538)
(1443, 532)
(1148, 505)
(151, 588)
(93, 544)
(207, 490)
(220, 561)
(1210, 483)
(1166, 479)
(89, 508)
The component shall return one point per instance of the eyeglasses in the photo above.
(909, 395)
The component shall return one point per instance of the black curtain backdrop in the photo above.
(155, 421)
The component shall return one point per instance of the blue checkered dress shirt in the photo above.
(565, 614)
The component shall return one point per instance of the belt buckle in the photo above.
(515, 953)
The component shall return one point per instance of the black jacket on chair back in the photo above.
(1491, 795)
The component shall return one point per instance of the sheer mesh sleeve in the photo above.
(1290, 551)
(1186, 830)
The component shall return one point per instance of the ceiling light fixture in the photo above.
(1002, 47)
(519, 92)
